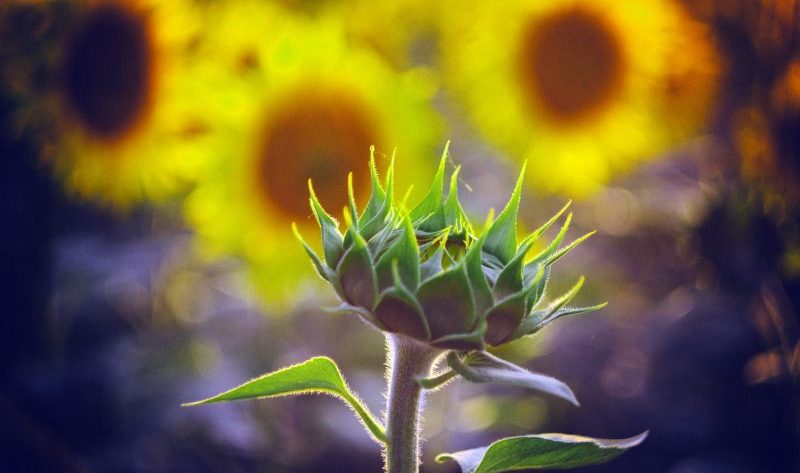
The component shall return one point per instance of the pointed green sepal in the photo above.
(483, 367)
(563, 251)
(357, 275)
(331, 237)
(481, 290)
(405, 252)
(463, 341)
(501, 238)
(540, 231)
(322, 269)
(538, 319)
(428, 215)
(345, 308)
(377, 196)
(510, 280)
(446, 300)
(504, 318)
(545, 254)
(535, 277)
(399, 311)
(542, 451)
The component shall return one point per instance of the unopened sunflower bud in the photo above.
(426, 274)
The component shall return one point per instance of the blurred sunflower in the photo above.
(582, 88)
(126, 110)
(298, 103)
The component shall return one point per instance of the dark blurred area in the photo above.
(109, 320)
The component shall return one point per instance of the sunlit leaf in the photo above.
(317, 375)
(482, 367)
(542, 451)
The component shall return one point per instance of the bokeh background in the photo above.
(153, 155)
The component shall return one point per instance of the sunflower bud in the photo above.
(427, 274)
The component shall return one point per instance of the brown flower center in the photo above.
(108, 70)
(571, 64)
(322, 136)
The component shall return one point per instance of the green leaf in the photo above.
(543, 451)
(332, 244)
(357, 276)
(446, 300)
(428, 215)
(382, 217)
(317, 375)
(501, 237)
(483, 367)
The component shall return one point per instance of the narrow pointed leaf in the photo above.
(383, 216)
(463, 341)
(563, 251)
(453, 212)
(331, 238)
(542, 451)
(323, 270)
(510, 280)
(504, 318)
(357, 276)
(477, 279)
(539, 319)
(553, 246)
(377, 196)
(446, 300)
(482, 367)
(535, 274)
(345, 308)
(430, 212)
(437, 381)
(405, 252)
(501, 237)
(432, 266)
(399, 311)
(540, 231)
(317, 375)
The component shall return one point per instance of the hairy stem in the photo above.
(408, 359)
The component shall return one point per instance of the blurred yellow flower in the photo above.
(298, 103)
(126, 109)
(581, 88)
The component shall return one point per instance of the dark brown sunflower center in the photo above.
(571, 64)
(317, 136)
(107, 70)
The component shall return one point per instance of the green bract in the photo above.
(442, 291)
(426, 273)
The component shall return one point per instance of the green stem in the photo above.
(408, 360)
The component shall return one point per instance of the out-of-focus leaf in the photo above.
(543, 451)
(482, 367)
(317, 375)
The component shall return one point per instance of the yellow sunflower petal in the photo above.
(121, 103)
(299, 103)
(583, 89)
